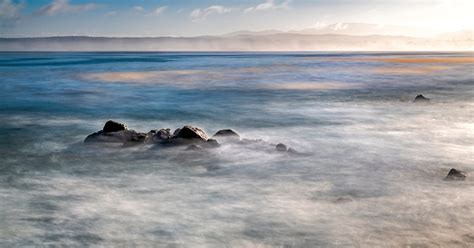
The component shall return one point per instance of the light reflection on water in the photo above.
(372, 174)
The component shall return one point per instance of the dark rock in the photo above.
(113, 126)
(124, 136)
(188, 132)
(421, 98)
(455, 175)
(158, 136)
(227, 133)
(281, 147)
(193, 148)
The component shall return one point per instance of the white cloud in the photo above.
(9, 10)
(268, 5)
(63, 6)
(138, 8)
(340, 26)
(202, 14)
(158, 11)
(320, 25)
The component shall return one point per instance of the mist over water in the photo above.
(371, 173)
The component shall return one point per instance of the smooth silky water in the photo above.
(371, 174)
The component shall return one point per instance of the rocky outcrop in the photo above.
(421, 98)
(193, 138)
(454, 174)
(123, 136)
(115, 132)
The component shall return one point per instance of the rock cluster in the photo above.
(193, 137)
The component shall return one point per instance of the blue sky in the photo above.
(27, 18)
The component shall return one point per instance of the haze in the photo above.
(153, 18)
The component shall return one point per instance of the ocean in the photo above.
(369, 171)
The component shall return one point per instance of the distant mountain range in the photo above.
(352, 29)
(334, 37)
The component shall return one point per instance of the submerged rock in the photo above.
(113, 126)
(211, 143)
(123, 136)
(421, 98)
(293, 151)
(227, 134)
(454, 174)
(252, 142)
(281, 147)
(193, 148)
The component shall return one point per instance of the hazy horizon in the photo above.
(166, 18)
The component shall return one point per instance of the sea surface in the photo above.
(370, 172)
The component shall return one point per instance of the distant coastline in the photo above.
(240, 42)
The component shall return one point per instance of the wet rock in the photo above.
(113, 126)
(455, 175)
(227, 134)
(281, 147)
(190, 133)
(124, 136)
(115, 132)
(158, 136)
(421, 98)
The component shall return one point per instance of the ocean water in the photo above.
(370, 173)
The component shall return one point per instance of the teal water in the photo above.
(372, 174)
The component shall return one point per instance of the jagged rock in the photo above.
(455, 175)
(421, 98)
(227, 134)
(281, 147)
(190, 133)
(113, 126)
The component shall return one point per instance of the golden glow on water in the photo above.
(409, 70)
(136, 76)
(443, 60)
(311, 86)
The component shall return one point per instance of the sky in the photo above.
(150, 18)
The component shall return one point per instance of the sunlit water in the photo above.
(372, 173)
